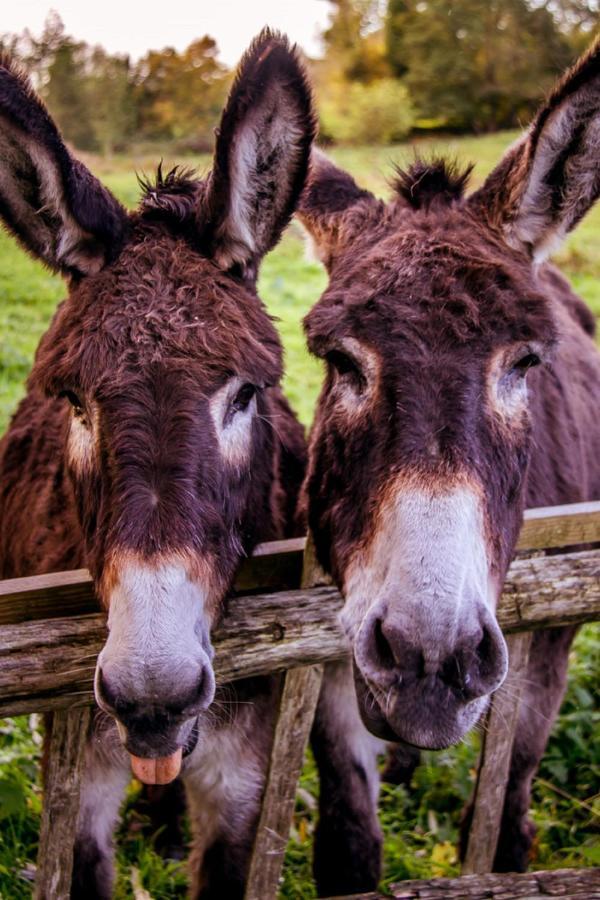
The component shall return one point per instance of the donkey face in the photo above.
(162, 364)
(433, 318)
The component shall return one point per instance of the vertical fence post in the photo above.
(299, 696)
(60, 808)
(494, 764)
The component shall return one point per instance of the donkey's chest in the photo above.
(229, 760)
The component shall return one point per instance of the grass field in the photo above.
(421, 824)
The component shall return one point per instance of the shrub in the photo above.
(356, 113)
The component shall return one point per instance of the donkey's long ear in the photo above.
(549, 180)
(50, 202)
(333, 209)
(261, 155)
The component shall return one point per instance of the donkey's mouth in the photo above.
(418, 720)
(161, 770)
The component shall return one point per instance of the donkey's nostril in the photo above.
(105, 695)
(484, 646)
(452, 674)
(385, 656)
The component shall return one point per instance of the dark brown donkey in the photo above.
(462, 385)
(155, 446)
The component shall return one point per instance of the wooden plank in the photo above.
(277, 564)
(273, 565)
(49, 664)
(560, 526)
(61, 804)
(549, 591)
(494, 765)
(47, 596)
(297, 709)
(294, 721)
(567, 883)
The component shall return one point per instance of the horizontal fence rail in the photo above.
(50, 635)
(566, 883)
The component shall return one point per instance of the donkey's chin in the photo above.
(416, 720)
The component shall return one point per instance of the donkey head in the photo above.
(163, 364)
(431, 326)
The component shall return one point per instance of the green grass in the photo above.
(420, 825)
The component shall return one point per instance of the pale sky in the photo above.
(134, 26)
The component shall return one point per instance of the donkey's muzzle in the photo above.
(155, 716)
(426, 688)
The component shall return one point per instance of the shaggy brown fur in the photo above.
(433, 314)
(118, 453)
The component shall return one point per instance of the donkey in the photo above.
(155, 447)
(462, 385)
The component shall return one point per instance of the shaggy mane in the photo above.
(173, 193)
(427, 182)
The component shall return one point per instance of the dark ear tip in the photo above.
(271, 48)
(13, 70)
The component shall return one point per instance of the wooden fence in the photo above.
(283, 616)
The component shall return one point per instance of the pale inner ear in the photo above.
(73, 248)
(264, 160)
(548, 211)
(234, 434)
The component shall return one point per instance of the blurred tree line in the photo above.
(389, 67)
(461, 65)
(103, 102)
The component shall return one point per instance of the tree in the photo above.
(108, 89)
(578, 20)
(180, 95)
(475, 64)
(395, 24)
(66, 96)
(354, 41)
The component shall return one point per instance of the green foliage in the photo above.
(379, 112)
(100, 101)
(108, 90)
(475, 64)
(354, 49)
(420, 824)
(180, 95)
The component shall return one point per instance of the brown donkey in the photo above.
(155, 446)
(462, 385)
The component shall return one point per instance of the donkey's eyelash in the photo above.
(527, 361)
(344, 365)
(73, 399)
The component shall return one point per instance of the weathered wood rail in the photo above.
(51, 630)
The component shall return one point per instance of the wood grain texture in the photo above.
(496, 750)
(298, 702)
(560, 526)
(275, 565)
(49, 664)
(61, 804)
(297, 706)
(567, 883)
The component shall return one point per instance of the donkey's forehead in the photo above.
(431, 282)
(160, 302)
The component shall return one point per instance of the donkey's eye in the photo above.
(242, 399)
(526, 362)
(346, 368)
(73, 400)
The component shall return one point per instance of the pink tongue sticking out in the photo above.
(156, 771)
